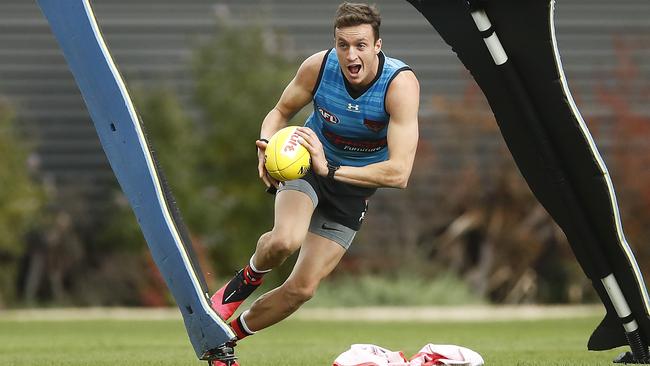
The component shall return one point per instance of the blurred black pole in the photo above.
(549, 158)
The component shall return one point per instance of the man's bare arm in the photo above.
(295, 96)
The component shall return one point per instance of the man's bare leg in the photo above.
(318, 257)
(293, 210)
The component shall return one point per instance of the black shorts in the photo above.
(340, 202)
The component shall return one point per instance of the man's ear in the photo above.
(378, 46)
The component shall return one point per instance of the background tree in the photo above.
(208, 158)
(235, 90)
(20, 199)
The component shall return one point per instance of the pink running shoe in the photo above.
(226, 301)
(222, 363)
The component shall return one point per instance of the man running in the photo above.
(362, 135)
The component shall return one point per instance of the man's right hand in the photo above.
(261, 169)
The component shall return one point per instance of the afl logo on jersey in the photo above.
(327, 116)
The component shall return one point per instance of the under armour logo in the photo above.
(353, 107)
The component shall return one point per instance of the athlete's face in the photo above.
(357, 49)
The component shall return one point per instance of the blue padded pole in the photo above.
(121, 134)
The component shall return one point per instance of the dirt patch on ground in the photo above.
(430, 314)
(454, 313)
(65, 314)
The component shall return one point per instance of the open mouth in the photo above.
(354, 69)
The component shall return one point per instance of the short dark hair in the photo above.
(352, 14)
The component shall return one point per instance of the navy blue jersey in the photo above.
(352, 125)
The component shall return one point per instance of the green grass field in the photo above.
(292, 343)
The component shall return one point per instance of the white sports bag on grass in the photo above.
(370, 355)
(447, 354)
(429, 355)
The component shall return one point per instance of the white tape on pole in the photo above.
(496, 49)
(481, 19)
(492, 42)
(616, 295)
(631, 326)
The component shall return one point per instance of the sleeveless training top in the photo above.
(352, 125)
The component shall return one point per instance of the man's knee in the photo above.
(280, 244)
(297, 294)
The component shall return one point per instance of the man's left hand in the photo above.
(310, 141)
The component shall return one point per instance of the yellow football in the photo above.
(285, 158)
